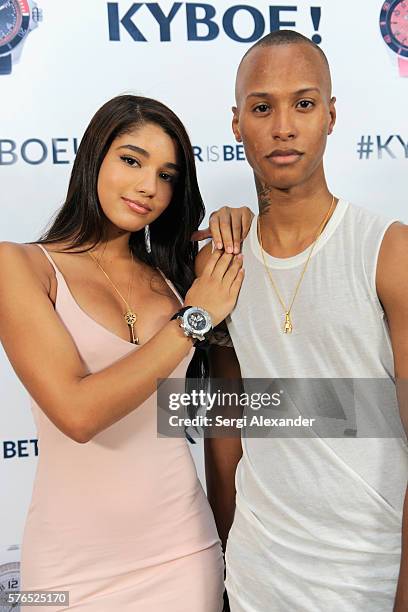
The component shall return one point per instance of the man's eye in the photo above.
(305, 104)
(130, 161)
(261, 108)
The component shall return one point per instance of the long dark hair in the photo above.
(80, 222)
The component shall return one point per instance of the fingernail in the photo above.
(236, 249)
(219, 245)
(230, 249)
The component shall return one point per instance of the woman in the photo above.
(118, 517)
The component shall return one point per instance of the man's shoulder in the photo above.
(376, 234)
(391, 274)
(394, 246)
(363, 214)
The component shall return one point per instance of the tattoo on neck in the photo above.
(264, 197)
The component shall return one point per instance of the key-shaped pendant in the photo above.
(131, 318)
(288, 324)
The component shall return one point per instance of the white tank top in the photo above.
(318, 521)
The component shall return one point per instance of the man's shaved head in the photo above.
(284, 109)
(287, 37)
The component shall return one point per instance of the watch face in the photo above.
(9, 581)
(197, 321)
(14, 22)
(10, 20)
(394, 25)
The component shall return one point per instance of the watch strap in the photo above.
(403, 66)
(5, 64)
(179, 313)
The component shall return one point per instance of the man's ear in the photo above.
(333, 115)
(235, 124)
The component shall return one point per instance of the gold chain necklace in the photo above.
(288, 325)
(130, 316)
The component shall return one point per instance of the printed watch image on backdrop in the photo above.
(394, 29)
(17, 19)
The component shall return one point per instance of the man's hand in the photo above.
(228, 227)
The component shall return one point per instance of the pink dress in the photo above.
(120, 522)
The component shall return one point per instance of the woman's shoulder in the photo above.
(18, 258)
(16, 254)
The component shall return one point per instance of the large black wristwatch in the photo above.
(196, 323)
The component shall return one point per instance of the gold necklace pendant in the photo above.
(131, 318)
(288, 327)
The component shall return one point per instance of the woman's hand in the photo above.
(228, 227)
(217, 288)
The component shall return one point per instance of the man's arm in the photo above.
(222, 454)
(392, 288)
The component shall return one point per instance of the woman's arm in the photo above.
(46, 360)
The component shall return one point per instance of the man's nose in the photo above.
(283, 127)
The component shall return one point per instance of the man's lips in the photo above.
(285, 156)
(138, 207)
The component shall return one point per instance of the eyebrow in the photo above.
(146, 154)
(299, 92)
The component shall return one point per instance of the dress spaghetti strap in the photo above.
(48, 256)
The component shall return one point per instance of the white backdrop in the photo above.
(69, 66)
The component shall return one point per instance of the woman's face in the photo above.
(137, 177)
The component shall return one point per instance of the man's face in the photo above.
(284, 113)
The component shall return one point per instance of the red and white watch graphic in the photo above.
(17, 19)
(394, 29)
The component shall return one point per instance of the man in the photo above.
(317, 523)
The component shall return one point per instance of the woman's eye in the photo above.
(169, 178)
(261, 108)
(305, 104)
(130, 161)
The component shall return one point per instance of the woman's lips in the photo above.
(137, 206)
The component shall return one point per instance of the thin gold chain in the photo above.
(113, 284)
(130, 316)
(288, 326)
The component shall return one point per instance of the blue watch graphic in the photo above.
(17, 19)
